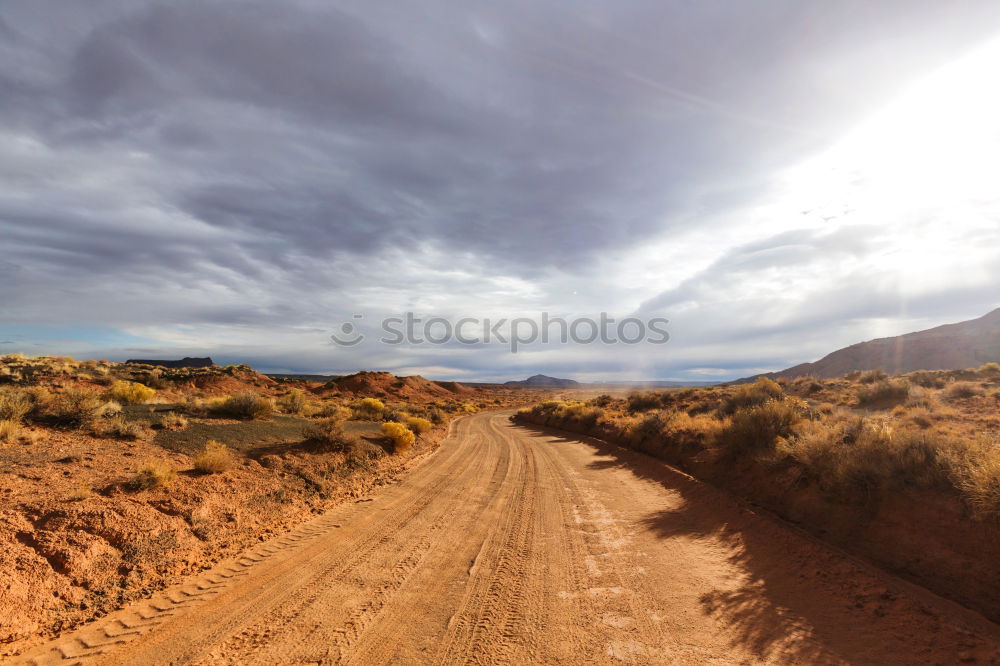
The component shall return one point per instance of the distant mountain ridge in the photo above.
(544, 381)
(967, 344)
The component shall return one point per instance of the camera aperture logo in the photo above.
(517, 333)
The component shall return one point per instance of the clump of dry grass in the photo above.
(991, 369)
(975, 469)
(14, 404)
(371, 409)
(328, 434)
(872, 377)
(757, 429)
(72, 408)
(130, 393)
(79, 492)
(118, 427)
(962, 390)
(172, 421)
(753, 395)
(10, 431)
(886, 391)
(214, 458)
(153, 474)
(401, 436)
(293, 402)
(246, 405)
(418, 425)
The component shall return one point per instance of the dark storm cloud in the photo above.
(256, 163)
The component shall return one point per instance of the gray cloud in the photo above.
(255, 165)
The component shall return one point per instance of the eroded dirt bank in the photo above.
(511, 545)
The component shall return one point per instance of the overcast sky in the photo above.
(237, 179)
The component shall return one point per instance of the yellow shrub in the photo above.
(153, 474)
(10, 430)
(401, 436)
(293, 402)
(418, 425)
(214, 458)
(131, 393)
(369, 408)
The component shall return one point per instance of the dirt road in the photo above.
(510, 545)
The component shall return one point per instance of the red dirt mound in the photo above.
(387, 385)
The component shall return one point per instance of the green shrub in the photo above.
(130, 393)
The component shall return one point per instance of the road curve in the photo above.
(511, 545)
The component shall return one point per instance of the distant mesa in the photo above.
(186, 362)
(967, 344)
(543, 381)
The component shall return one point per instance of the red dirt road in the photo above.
(514, 546)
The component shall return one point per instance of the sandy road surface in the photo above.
(510, 545)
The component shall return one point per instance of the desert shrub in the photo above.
(331, 410)
(293, 402)
(435, 415)
(130, 393)
(109, 409)
(14, 405)
(883, 391)
(246, 405)
(921, 417)
(974, 465)
(643, 402)
(930, 379)
(370, 409)
(117, 427)
(872, 376)
(328, 434)
(153, 474)
(757, 429)
(602, 400)
(855, 458)
(991, 369)
(468, 408)
(418, 425)
(214, 458)
(962, 390)
(172, 421)
(10, 431)
(760, 392)
(401, 436)
(72, 408)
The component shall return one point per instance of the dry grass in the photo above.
(246, 405)
(401, 436)
(172, 421)
(10, 431)
(883, 392)
(14, 404)
(119, 428)
(215, 458)
(328, 434)
(370, 409)
(152, 475)
(757, 429)
(293, 402)
(418, 425)
(762, 391)
(73, 408)
(963, 391)
(130, 393)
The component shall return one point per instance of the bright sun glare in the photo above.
(924, 170)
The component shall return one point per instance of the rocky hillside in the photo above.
(543, 381)
(968, 344)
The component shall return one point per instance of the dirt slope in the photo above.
(514, 546)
